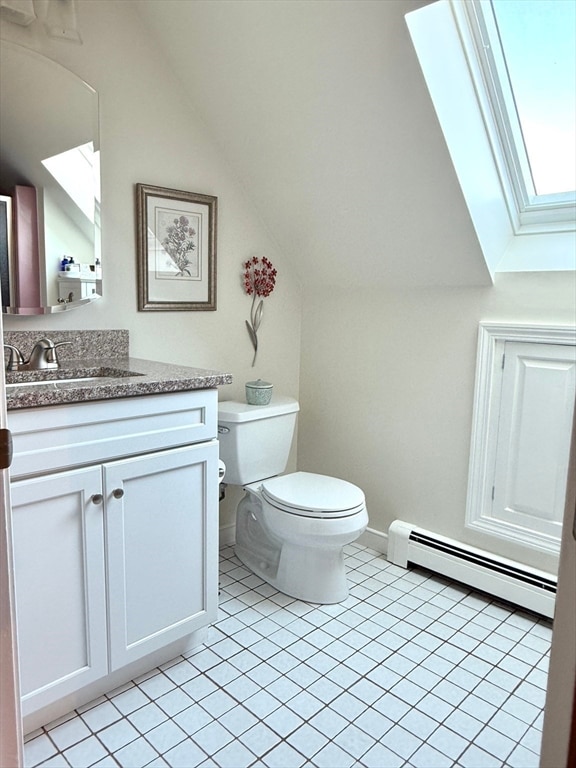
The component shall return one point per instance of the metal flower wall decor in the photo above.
(259, 281)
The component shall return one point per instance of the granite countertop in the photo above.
(112, 377)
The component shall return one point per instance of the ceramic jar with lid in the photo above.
(258, 392)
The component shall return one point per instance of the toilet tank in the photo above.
(255, 440)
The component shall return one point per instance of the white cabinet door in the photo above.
(533, 445)
(58, 540)
(161, 522)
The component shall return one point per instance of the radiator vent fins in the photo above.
(540, 582)
(485, 571)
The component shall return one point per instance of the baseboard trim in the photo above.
(374, 540)
(370, 538)
(227, 535)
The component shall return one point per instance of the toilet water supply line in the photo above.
(259, 281)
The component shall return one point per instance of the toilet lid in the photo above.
(305, 493)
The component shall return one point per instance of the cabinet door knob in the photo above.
(97, 498)
(118, 493)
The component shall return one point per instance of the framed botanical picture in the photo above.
(176, 249)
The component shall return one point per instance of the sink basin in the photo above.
(62, 376)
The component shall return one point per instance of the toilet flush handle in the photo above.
(222, 430)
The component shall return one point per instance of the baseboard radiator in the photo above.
(506, 579)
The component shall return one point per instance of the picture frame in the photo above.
(176, 249)
(6, 251)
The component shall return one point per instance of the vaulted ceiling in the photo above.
(321, 110)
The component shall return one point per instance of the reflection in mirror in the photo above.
(50, 172)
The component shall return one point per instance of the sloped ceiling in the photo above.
(321, 110)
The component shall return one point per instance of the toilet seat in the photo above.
(310, 495)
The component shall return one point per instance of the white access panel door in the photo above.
(58, 542)
(533, 442)
(162, 541)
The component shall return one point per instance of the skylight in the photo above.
(538, 40)
(75, 171)
(502, 78)
(527, 50)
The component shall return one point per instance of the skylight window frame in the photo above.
(529, 212)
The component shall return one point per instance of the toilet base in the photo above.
(311, 575)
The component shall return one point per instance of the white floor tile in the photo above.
(165, 736)
(217, 703)
(137, 754)
(532, 739)
(187, 754)
(464, 724)
(174, 701)
(242, 688)
(418, 723)
(348, 706)
(411, 671)
(101, 716)
(38, 750)
(411, 693)
(305, 705)
(523, 758)
(223, 673)
(283, 721)
(88, 752)
(428, 757)
(401, 741)
(284, 689)
(199, 687)
(110, 762)
(449, 743)
(495, 743)
(236, 720)
(68, 733)
(474, 757)
(148, 717)
(118, 735)
(134, 698)
(329, 722)
(332, 755)
(262, 704)
(260, 739)
(307, 740)
(283, 756)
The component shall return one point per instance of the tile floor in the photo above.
(412, 670)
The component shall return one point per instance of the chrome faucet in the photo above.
(43, 356)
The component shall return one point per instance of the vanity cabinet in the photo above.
(117, 558)
(59, 564)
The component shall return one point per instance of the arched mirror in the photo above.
(50, 254)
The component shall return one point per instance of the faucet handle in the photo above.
(15, 359)
(51, 352)
(43, 354)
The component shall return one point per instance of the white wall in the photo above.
(387, 392)
(151, 133)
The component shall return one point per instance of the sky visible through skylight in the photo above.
(539, 42)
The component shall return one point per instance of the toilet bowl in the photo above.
(290, 529)
(295, 545)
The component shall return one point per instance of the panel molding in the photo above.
(491, 340)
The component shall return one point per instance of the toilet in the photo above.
(290, 529)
